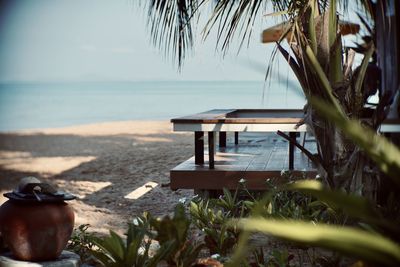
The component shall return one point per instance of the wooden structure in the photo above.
(226, 165)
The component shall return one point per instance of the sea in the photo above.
(34, 105)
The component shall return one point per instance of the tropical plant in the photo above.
(173, 234)
(317, 60)
(368, 243)
(81, 242)
(175, 247)
(134, 250)
(277, 258)
(212, 217)
(376, 239)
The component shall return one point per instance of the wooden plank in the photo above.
(239, 127)
(210, 114)
(217, 179)
(251, 113)
(255, 120)
(240, 116)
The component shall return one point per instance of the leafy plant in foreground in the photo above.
(277, 258)
(212, 217)
(285, 204)
(219, 237)
(81, 242)
(173, 234)
(175, 248)
(375, 238)
(134, 250)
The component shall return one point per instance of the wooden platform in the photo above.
(258, 157)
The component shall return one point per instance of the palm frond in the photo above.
(170, 25)
(170, 21)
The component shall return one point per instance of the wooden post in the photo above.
(211, 149)
(198, 147)
(222, 139)
(236, 138)
(292, 136)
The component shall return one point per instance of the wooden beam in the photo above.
(218, 179)
(211, 149)
(236, 138)
(199, 147)
(292, 136)
(222, 139)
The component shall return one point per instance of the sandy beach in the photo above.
(102, 164)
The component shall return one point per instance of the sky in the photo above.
(108, 40)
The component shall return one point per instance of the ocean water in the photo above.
(47, 105)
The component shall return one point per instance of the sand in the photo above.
(117, 170)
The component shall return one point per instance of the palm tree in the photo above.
(322, 66)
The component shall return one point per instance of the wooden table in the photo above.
(238, 120)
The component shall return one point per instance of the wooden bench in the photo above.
(225, 165)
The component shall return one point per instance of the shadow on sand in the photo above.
(100, 170)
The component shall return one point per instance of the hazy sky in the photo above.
(97, 40)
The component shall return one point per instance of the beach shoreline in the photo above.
(117, 170)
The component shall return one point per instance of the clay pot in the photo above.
(36, 231)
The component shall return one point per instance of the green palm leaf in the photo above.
(348, 240)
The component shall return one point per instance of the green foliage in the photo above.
(277, 258)
(81, 242)
(134, 250)
(291, 212)
(280, 258)
(211, 216)
(286, 204)
(368, 243)
(173, 234)
(351, 205)
(352, 241)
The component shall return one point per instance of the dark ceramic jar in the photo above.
(36, 231)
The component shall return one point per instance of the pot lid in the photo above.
(31, 189)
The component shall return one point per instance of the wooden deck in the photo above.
(256, 158)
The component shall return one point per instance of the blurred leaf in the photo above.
(352, 205)
(351, 241)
